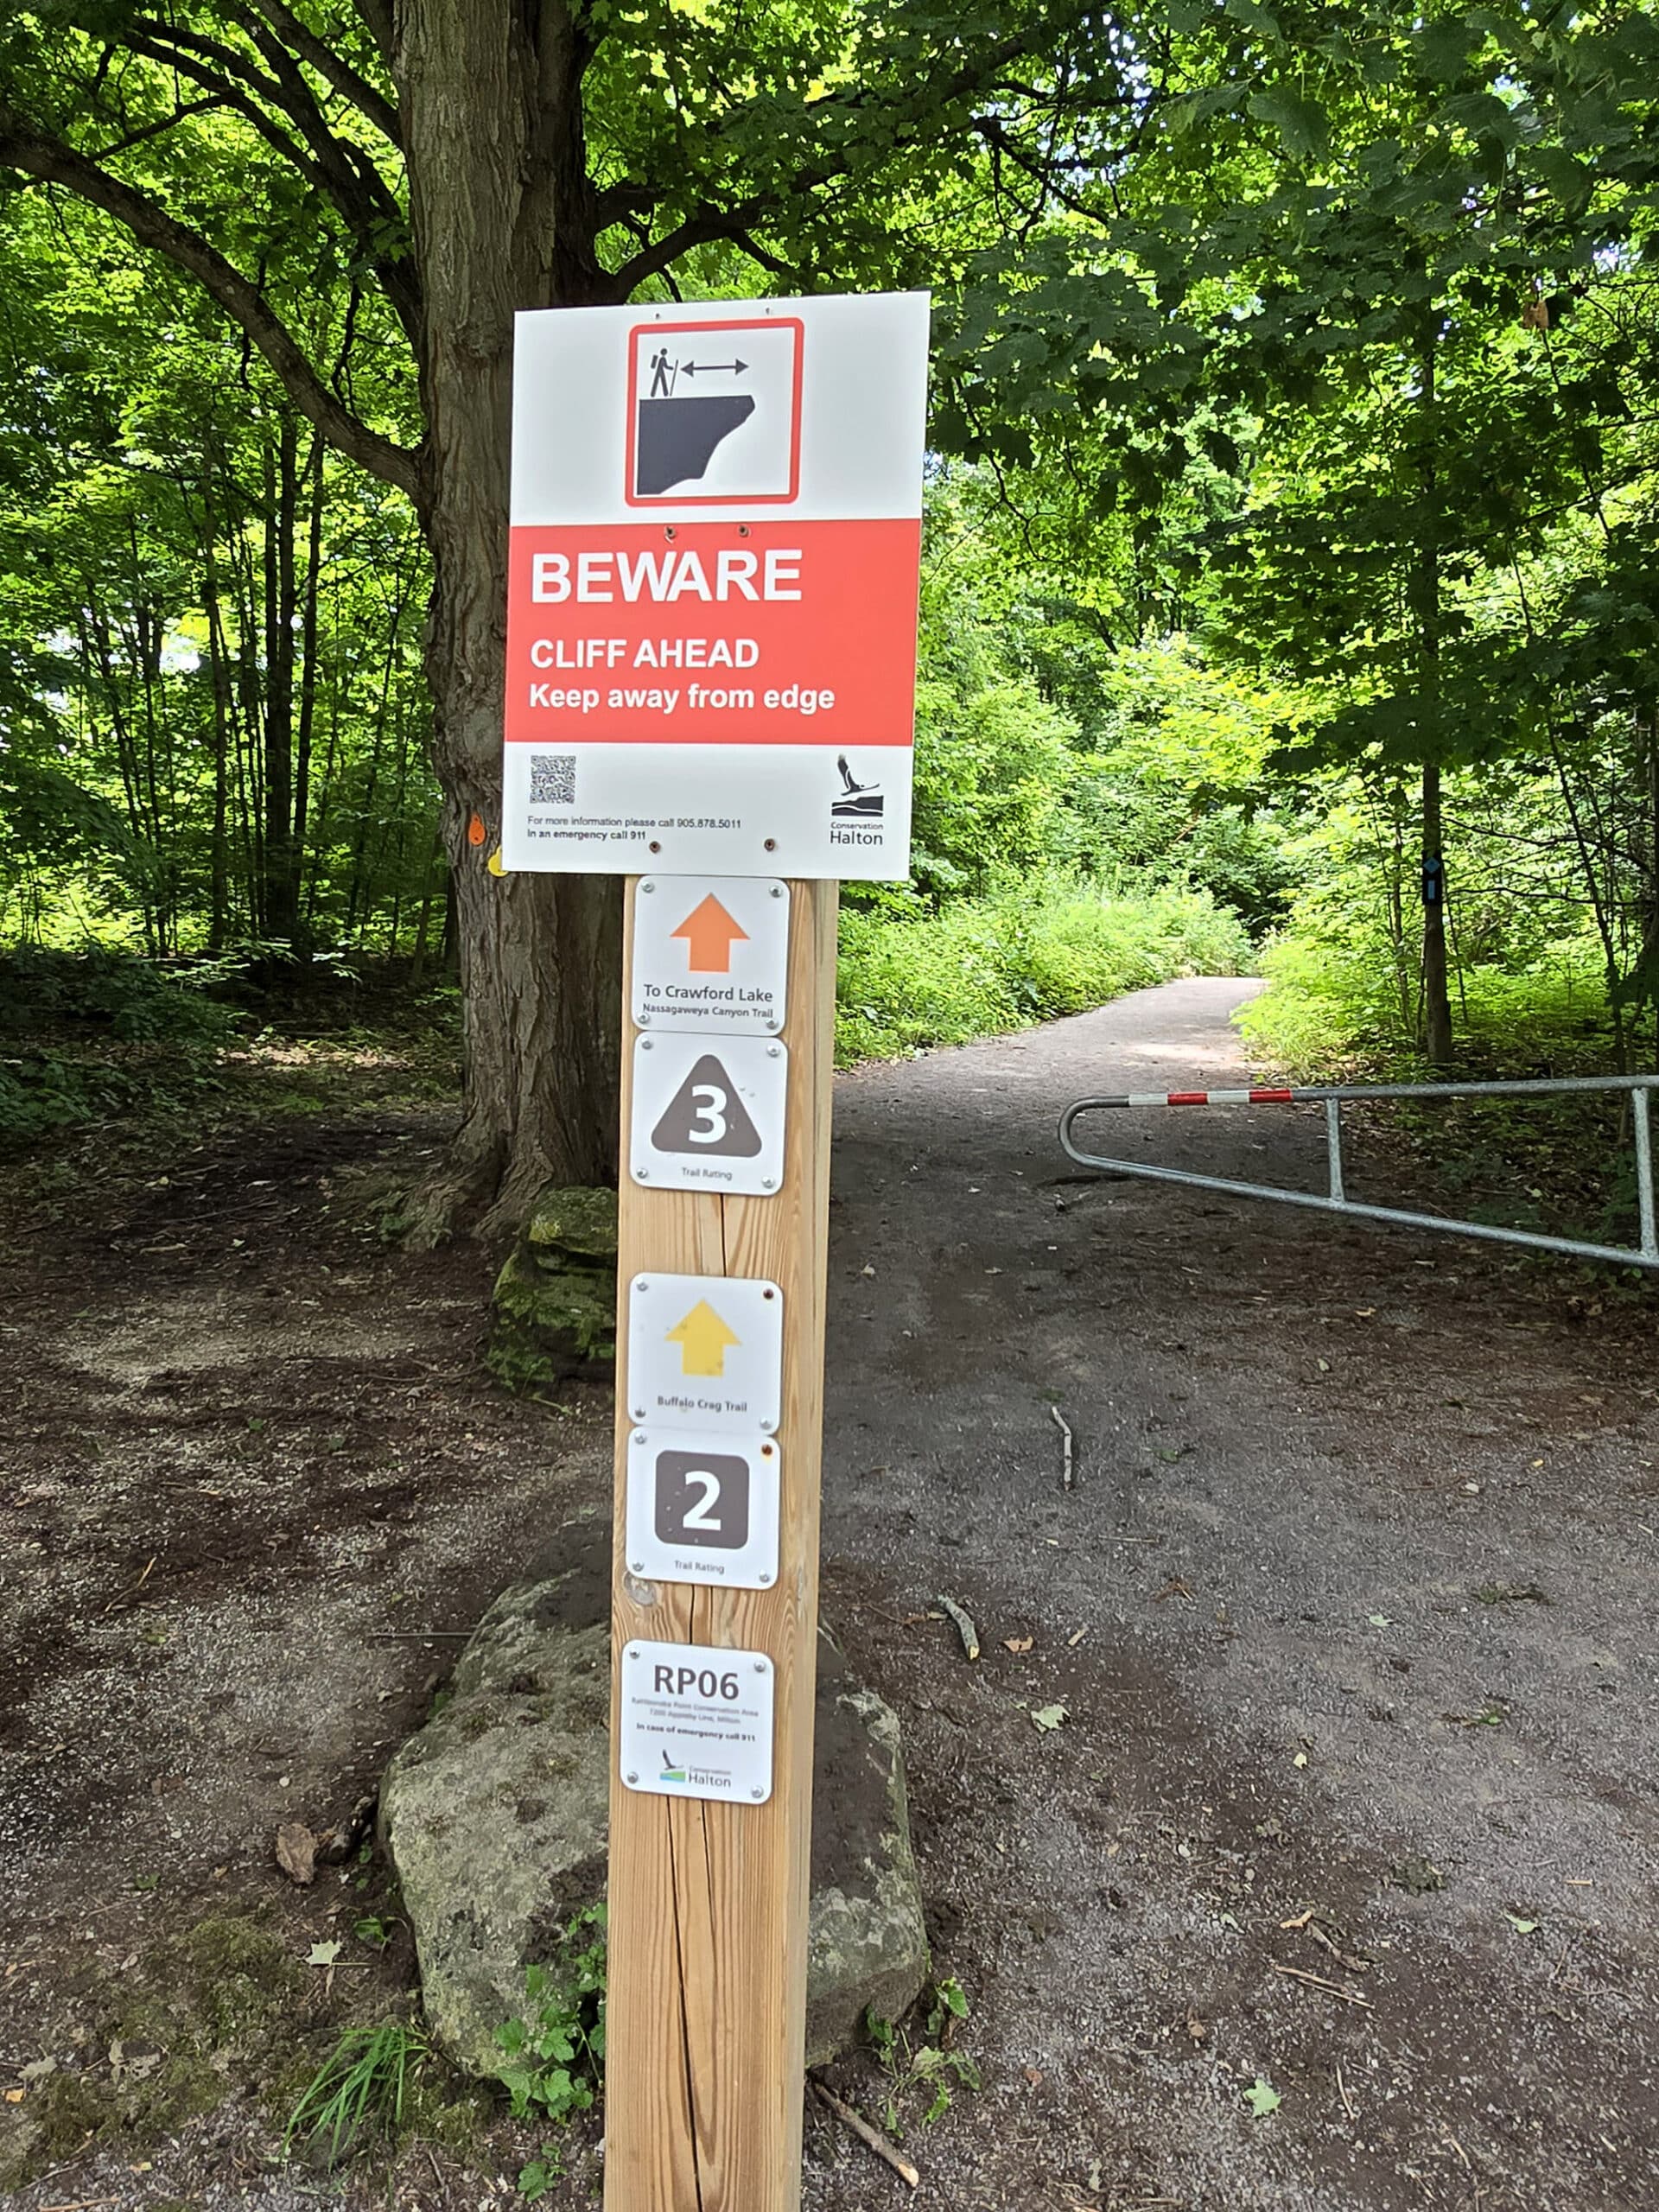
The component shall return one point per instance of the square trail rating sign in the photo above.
(703, 1509)
(696, 1722)
(705, 1352)
(713, 567)
(711, 952)
(708, 1113)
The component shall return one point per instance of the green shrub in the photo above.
(86, 1036)
(909, 979)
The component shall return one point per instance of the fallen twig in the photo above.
(133, 1592)
(1342, 2091)
(867, 2135)
(1061, 1423)
(965, 1627)
(1318, 1981)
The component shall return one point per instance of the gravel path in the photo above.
(1350, 1612)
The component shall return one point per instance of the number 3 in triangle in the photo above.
(705, 1114)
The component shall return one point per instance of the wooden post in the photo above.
(707, 2008)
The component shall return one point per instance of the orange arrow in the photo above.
(709, 934)
(704, 1340)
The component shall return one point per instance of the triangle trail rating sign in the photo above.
(705, 1118)
(708, 1116)
(710, 953)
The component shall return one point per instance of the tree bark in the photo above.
(490, 100)
(1437, 1001)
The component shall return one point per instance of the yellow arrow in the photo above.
(704, 1340)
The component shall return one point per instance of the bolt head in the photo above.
(645, 1043)
(647, 885)
(773, 1052)
(633, 1777)
(777, 890)
(758, 1796)
(767, 1183)
(636, 1566)
(642, 1174)
(765, 1579)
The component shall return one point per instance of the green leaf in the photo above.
(1261, 2098)
(1048, 1716)
(1302, 123)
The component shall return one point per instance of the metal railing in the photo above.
(1335, 1199)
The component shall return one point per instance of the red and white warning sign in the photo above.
(711, 623)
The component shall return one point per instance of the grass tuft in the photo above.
(360, 2087)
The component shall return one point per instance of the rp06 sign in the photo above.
(711, 623)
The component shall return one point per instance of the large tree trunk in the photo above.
(1437, 1000)
(491, 100)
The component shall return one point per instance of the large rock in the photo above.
(553, 1311)
(495, 1816)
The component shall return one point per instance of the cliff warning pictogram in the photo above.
(714, 410)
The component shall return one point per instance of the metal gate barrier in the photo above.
(1335, 1199)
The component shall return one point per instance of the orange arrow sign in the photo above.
(704, 1340)
(709, 934)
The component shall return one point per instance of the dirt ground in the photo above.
(1350, 1614)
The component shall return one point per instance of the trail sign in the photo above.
(706, 1351)
(703, 1509)
(696, 1722)
(709, 1114)
(713, 565)
(710, 953)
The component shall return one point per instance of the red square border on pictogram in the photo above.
(677, 498)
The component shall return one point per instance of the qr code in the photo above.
(552, 778)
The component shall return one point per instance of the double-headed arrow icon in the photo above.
(712, 368)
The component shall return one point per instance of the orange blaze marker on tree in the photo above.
(476, 832)
(710, 932)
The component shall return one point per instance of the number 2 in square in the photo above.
(703, 1498)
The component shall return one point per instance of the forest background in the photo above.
(1290, 564)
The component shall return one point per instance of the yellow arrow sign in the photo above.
(704, 1340)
